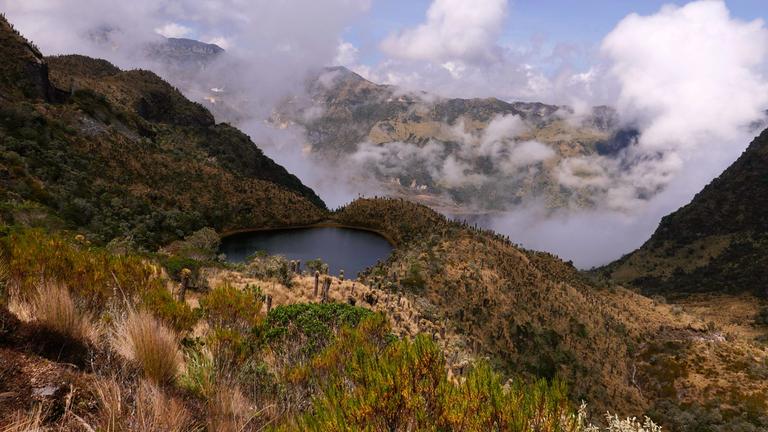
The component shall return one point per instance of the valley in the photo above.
(148, 275)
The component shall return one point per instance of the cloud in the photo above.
(493, 157)
(692, 80)
(691, 75)
(346, 54)
(454, 30)
(220, 41)
(173, 30)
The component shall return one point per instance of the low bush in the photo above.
(275, 268)
(93, 275)
(313, 324)
(316, 265)
(201, 245)
(365, 382)
(176, 314)
(414, 279)
(199, 378)
(174, 265)
(228, 307)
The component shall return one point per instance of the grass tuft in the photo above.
(156, 412)
(148, 343)
(54, 310)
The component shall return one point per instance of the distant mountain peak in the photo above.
(181, 52)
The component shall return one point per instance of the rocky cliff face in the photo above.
(24, 73)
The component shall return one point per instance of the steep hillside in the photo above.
(533, 315)
(23, 73)
(184, 53)
(718, 242)
(529, 311)
(123, 154)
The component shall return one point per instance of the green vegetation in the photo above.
(312, 325)
(413, 279)
(491, 291)
(369, 384)
(127, 156)
(275, 268)
(172, 312)
(229, 307)
(94, 276)
(113, 190)
(316, 265)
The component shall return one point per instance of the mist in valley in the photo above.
(695, 115)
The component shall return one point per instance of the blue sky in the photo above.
(580, 22)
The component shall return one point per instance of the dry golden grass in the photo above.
(21, 309)
(24, 422)
(731, 314)
(229, 410)
(646, 262)
(408, 314)
(156, 412)
(110, 397)
(54, 309)
(144, 340)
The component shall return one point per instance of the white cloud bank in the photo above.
(690, 74)
(692, 79)
(454, 31)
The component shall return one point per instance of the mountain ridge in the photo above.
(74, 129)
(486, 154)
(716, 242)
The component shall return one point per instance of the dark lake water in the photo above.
(341, 248)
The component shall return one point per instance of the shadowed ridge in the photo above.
(717, 242)
(23, 71)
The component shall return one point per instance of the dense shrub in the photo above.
(316, 265)
(368, 384)
(93, 275)
(201, 245)
(414, 279)
(175, 264)
(228, 307)
(232, 314)
(176, 314)
(276, 268)
(310, 325)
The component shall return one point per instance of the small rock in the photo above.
(45, 391)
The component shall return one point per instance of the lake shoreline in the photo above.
(322, 224)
